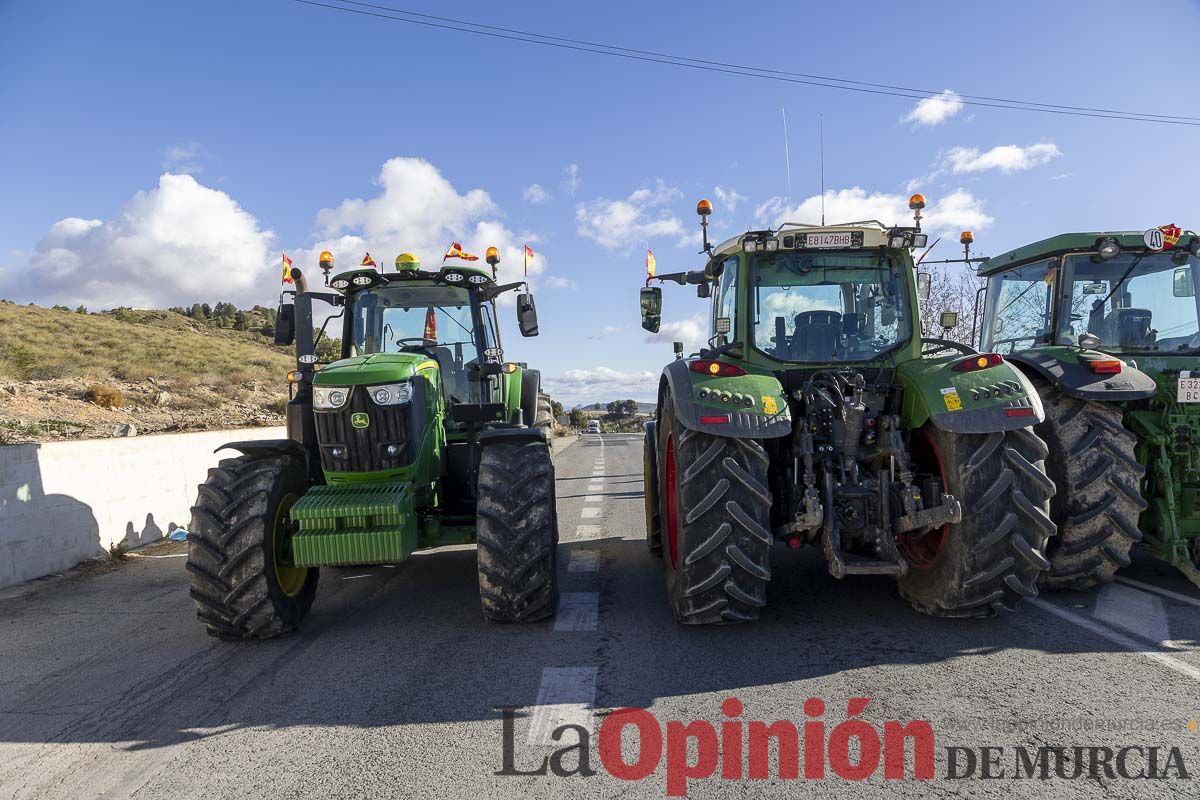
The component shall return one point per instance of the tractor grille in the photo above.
(364, 448)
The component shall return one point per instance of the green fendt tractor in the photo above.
(419, 435)
(818, 415)
(1106, 324)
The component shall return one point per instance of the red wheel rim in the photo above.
(923, 552)
(672, 498)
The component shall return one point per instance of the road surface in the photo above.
(109, 686)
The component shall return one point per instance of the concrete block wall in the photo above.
(64, 502)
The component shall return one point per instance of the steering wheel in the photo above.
(417, 342)
(931, 346)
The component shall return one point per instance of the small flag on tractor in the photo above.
(287, 269)
(529, 254)
(651, 264)
(456, 251)
(1171, 234)
(368, 261)
(430, 326)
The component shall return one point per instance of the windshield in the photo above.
(1021, 298)
(394, 319)
(1143, 302)
(834, 306)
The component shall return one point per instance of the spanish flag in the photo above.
(287, 269)
(456, 251)
(529, 254)
(430, 326)
(368, 261)
(650, 264)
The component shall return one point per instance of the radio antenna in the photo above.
(787, 156)
(821, 129)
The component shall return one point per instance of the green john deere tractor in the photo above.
(419, 435)
(818, 415)
(1125, 421)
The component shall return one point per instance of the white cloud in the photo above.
(729, 198)
(536, 194)
(570, 178)
(956, 210)
(177, 243)
(418, 211)
(606, 331)
(1006, 158)
(1062, 176)
(935, 110)
(621, 224)
(559, 282)
(601, 384)
(185, 158)
(693, 332)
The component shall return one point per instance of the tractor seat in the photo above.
(817, 336)
(454, 377)
(1132, 326)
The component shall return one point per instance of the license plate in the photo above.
(830, 240)
(1189, 388)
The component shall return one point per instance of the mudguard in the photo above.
(278, 447)
(512, 432)
(998, 398)
(1066, 369)
(762, 412)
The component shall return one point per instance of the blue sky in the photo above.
(156, 153)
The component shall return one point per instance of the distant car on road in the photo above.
(593, 426)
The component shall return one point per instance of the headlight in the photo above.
(326, 398)
(391, 394)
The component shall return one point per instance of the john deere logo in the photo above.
(360, 420)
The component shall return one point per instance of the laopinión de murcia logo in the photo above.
(632, 744)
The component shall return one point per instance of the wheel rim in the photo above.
(290, 579)
(923, 552)
(672, 504)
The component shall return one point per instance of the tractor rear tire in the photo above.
(517, 530)
(650, 490)
(716, 511)
(991, 559)
(1099, 500)
(235, 537)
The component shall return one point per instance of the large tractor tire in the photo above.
(1099, 499)
(715, 513)
(517, 529)
(994, 556)
(650, 491)
(236, 542)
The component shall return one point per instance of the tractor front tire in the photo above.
(992, 558)
(1099, 500)
(517, 530)
(544, 418)
(716, 509)
(236, 539)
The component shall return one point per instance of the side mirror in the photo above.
(651, 302)
(285, 324)
(924, 284)
(1182, 285)
(949, 320)
(678, 346)
(704, 290)
(527, 315)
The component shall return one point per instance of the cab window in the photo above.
(1022, 301)
(725, 301)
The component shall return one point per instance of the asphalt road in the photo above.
(109, 687)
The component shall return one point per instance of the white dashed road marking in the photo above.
(1134, 611)
(565, 697)
(577, 611)
(584, 561)
(1133, 646)
(584, 532)
(590, 513)
(1183, 598)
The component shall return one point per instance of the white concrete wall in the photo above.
(64, 502)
